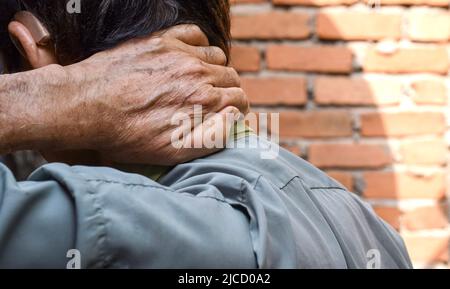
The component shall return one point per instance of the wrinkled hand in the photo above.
(130, 94)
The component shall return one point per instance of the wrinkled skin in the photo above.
(120, 102)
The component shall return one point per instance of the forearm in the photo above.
(28, 111)
(121, 102)
(14, 90)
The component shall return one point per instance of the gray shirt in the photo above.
(229, 210)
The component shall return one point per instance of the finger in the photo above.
(190, 39)
(188, 33)
(217, 128)
(213, 133)
(221, 76)
(210, 54)
(235, 97)
(208, 137)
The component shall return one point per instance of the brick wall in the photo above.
(362, 91)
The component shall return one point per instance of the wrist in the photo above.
(14, 112)
(31, 107)
(79, 119)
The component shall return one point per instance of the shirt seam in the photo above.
(312, 188)
(327, 188)
(105, 259)
(160, 188)
(129, 184)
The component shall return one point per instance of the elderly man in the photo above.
(233, 209)
(90, 105)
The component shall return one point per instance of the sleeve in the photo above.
(37, 223)
(116, 220)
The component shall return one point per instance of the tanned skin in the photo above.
(120, 102)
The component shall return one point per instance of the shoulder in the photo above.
(255, 157)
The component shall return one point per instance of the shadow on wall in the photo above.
(356, 102)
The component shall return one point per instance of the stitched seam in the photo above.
(209, 197)
(128, 184)
(104, 256)
(327, 188)
(290, 181)
(161, 188)
(101, 242)
(256, 183)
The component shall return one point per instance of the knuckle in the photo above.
(215, 55)
(212, 100)
(180, 57)
(220, 54)
(157, 43)
(234, 75)
(205, 96)
(194, 28)
(240, 91)
(197, 68)
(198, 34)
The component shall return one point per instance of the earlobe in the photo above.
(37, 55)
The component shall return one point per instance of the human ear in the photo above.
(32, 40)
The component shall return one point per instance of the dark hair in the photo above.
(103, 24)
(11, 56)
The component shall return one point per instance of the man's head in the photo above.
(103, 24)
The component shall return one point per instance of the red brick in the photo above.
(295, 149)
(408, 60)
(275, 90)
(330, 59)
(429, 152)
(402, 124)
(429, 92)
(429, 26)
(390, 185)
(421, 218)
(247, 1)
(271, 25)
(425, 218)
(314, 2)
(390, 215)
(317, 124)
(412, 2)
(349, 25)
(357, 91)
(346, 179)
(427, 249)
(245, 58)
(349, 155)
